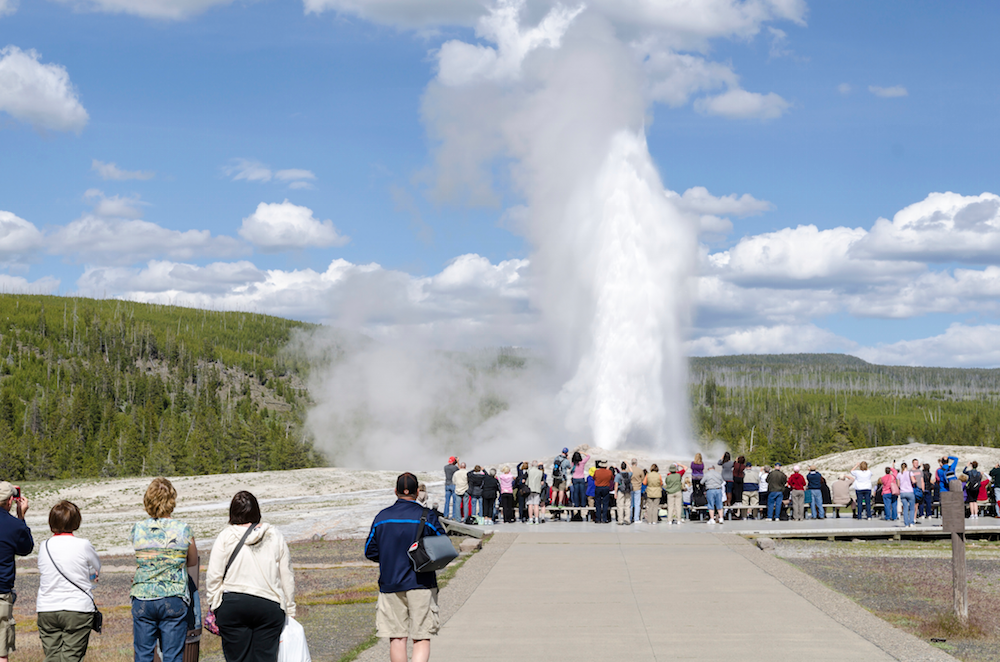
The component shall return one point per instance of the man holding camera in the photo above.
(15, 539)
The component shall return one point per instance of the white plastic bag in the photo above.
(293, 646)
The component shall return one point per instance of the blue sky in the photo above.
(216, 113)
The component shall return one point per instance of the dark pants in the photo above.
(507, 504)
(64, 634)
(488, 503)
(601, 504)
(522, 506)
(250, 627)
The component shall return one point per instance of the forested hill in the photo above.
(792, 406)
(114, 388)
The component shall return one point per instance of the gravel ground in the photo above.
(910, 586)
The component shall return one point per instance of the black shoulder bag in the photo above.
(430, 554)
(209, 622)
(98, 620)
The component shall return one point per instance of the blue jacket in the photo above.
(393, 531)
(15, 538)
(814, 480)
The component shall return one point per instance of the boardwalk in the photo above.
(653, 594)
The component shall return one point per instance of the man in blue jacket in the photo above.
(407, 600)
(15, 539)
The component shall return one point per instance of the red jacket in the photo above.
(797, 481)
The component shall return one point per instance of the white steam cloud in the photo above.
(559, 94)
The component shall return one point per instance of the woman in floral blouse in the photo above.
(164, 548)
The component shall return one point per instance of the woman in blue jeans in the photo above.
(164, 548)
(863, 488)
(578, 492)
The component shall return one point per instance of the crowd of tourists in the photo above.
(573, 487)
(250, 585)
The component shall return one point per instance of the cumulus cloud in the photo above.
(115, 206)
(713, 212)
(110, 171)
(18, 285)
(674, 77)
(159, 9)
(19, 239)
(888, 92)
(943, 227)
(779, 339)
(284, 226)
(40, 94)
(255, 171)
(960, 346)
(740, 104)
(470, 303)
(117, 241)
(8, 7)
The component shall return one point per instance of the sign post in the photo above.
(953, 521)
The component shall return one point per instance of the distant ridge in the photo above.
(780, 360)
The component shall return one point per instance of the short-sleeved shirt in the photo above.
(161, 547)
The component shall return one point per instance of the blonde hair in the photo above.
(505, 469)
(697, 458)
(160, 498)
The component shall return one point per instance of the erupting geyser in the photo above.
(565, 102)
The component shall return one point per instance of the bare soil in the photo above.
(910, 585)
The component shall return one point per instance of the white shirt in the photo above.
(862, 479)
(762, 485)
(78, 561)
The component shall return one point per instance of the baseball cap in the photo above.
(6, 490)
(565, 450)
(452, 460)
(407, 484)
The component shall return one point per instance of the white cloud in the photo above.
(460, 63)
(740, 104)
(960, 346)
(888, 92)
(116, 206)
(40, 94)
(779, 339)
(255, 171)
(844, 88)
(779, 43)
(248, 170)
(403, 13)
(19, 285)
(471, 303)
(943, 227)
(19, 239)
(285, 226)
(712, 211)
(160, 9)
(8, 7)
(111, 171)
(674, 77)
(114, 241)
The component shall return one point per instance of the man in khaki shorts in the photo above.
(407, 600)
(15, 539)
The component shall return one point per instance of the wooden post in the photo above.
(958, 580)
(953, 521)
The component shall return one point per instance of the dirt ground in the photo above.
(909, 585)
(336, 588)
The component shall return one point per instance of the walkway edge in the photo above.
(459, 589)
(895, 642)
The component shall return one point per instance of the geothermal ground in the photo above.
(340, 503)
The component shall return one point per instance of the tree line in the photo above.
(111, 388)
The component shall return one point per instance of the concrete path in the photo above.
(663, 595)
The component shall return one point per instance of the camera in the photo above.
(17, 492)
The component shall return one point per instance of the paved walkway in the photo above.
(665, 595)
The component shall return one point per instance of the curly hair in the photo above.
(160, 498)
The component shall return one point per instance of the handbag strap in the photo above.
(423, 521)
(77, 587)
(232, 557)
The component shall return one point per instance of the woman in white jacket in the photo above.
(65, 604)
(252, 597)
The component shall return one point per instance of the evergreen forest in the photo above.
(112, 388)
(789, 407)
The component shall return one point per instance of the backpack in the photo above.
(975, 478)
(557, 467)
